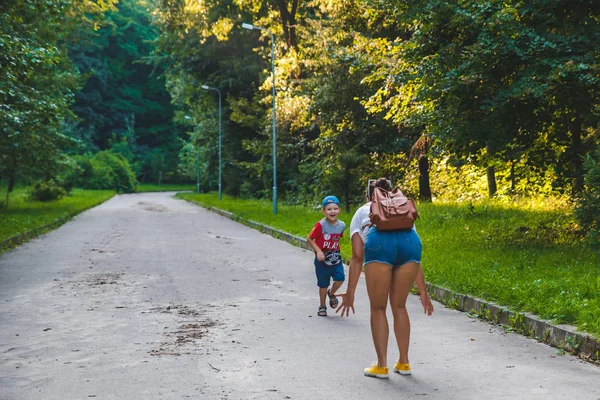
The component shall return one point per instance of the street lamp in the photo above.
(218, 91)
(197, 163)
(252, 27)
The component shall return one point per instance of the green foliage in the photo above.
(47, 191)
(506, 93)
(588, 203)
(124, 104)
(494, 82)
(494, 85)
(37, 82)
(106, 170)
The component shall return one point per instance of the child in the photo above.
(325, 240)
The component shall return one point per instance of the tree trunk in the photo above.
(11, 185)
(512, 177)
(576, 149)
(288, 22)
(424, 186)
(347, 200)
(11, 182)
(491, 178)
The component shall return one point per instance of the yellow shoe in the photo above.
(377, 372)
(402, 369)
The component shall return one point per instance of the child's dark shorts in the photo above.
(325, 273)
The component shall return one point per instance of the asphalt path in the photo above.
(150, 297)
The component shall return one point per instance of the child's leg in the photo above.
(322, 273)
(322, 295)
(338, 276)
(336, 285)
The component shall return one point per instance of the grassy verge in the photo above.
(150, 187)
(522, 256)
(23, 215)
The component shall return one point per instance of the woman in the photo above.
(392, 263)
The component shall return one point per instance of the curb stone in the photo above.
(276, 233)
(564, 337)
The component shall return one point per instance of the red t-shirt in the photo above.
(327, 238)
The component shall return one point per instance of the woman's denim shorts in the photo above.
(392, 247)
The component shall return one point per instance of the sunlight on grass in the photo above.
(525, 255)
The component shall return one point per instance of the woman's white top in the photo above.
(361, 222)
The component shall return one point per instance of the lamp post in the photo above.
(252, 27)
(205, 87)
(197, 163)
(197, 171)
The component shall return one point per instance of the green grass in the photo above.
(150, 187)
(23, 215)
(524, 256)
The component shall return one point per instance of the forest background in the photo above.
(456, 100)
(484, 110)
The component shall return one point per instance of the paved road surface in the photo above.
(150, 297)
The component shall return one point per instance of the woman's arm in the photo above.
(420, 281)
(356, 263)
(423, 294)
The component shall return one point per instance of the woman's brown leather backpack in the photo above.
(392, 211)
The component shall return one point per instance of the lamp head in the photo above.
(247, 26)
(205, 87)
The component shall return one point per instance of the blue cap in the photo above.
(329, 200)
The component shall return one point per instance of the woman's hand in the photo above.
(426, 303)
(346, 305)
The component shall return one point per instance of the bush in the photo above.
(106, 170)
(69, 175)
(588, 203)
(47, 191)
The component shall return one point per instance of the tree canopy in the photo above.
(497, 98)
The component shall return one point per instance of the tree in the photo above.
(488, 79)
(124, 93)
(37, 82)
(588, 202)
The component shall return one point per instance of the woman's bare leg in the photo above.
(403, 278)
(379, 278)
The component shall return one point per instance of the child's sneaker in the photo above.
(377, 372)
(402, 369)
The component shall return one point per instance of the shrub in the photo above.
(588, 203)
(106, 170)
(69, 175)
(47, 191)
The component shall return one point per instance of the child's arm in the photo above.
(318, 251)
